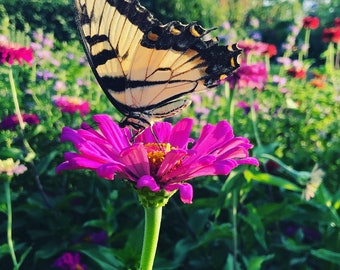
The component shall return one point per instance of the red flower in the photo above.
(271, 50)
(331, 34)
(10, 122)
(337, 22)
(298, 73)
(9, 52)
(311, 22)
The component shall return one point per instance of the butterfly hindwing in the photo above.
(144, 66)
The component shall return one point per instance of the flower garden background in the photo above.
(285, 98)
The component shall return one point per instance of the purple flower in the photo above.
(247, 107)
(280, 81)
(284, 60)
(226, 25)
(69, 261)
(48, 42)
(59, 86)
(43, 54)
(10, 122)
(45, 75)
(99, 238)
(38, 36)
(163, 164)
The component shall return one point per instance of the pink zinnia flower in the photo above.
(256, 48)
(69, 261)
(10, 52)
(10, 122)
(311, 22)
(249, 76)
(71, 105)
(163, 164)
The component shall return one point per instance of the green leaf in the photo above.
(45, 162)
(24, 255)
(104, 257)
(327, 255)
(4, 250)
(255, 263)
(231, 263)
(254, 221)
(269, 179)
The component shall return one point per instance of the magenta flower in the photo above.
(165, 164)
(71, 105)
(10, 122)
(10, 52)
(69, 261)
(249, 76)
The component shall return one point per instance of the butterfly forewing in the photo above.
(144, 67)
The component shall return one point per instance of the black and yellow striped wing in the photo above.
(144, 67)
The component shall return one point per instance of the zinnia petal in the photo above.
(185, 191)
(116, 136)
(149, 182)
(136, 161)
(180, 133)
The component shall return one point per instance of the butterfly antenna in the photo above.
(156, 137)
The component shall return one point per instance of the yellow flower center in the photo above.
(156, 153)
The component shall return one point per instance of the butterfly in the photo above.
(147, 68)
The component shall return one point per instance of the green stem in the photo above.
(254, 118)
(267, 60)
(153, 218)
(331, 58)
(9, 224)
(234, 232)
(15, 99)
(30, 151)
(229, 94)
(307, 38)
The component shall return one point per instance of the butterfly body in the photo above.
(146, 68)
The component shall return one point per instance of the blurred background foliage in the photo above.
(274, 15)
(272, 219)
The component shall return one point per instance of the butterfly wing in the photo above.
(143, 66)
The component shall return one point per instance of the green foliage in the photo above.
(260, 209)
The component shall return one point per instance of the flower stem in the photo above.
(153, 218)
(254, 118)
(234, 232)
(307, 38)
(229, 94)
(15, 99)
(9, 224)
